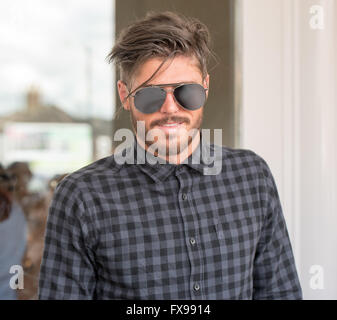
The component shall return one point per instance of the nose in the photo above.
(170, 105)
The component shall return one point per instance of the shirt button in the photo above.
(192, 241)
(184, 196)
(196, 287)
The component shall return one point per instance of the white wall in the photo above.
(288, 116)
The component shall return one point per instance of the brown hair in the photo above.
(162, 35)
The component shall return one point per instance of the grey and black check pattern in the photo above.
(164, 231)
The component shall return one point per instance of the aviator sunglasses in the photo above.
(190, 96)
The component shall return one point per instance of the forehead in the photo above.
(175, 70)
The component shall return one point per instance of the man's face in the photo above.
(173, 120)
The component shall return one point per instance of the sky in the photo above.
(52, 45)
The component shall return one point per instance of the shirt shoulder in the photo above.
(241, 160)
(92, 173)
(73, 199)
(236, 154)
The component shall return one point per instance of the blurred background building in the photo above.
(272, 91)
(50, 139)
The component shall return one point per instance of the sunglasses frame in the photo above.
(174, 87)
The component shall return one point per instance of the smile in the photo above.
(171, 127)
(174, 124)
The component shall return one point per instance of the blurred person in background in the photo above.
(36, 206)
(13, 231)
(23, 175)
(5, 195)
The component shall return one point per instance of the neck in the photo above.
(176, 158)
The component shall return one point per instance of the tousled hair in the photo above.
(160, 35)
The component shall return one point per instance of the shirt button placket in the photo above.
(191, 241)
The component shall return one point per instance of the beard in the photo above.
(173, 144)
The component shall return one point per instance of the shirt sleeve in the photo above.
(274, 275)
(67, 269)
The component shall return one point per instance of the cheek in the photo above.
(196, 115)
(138, 116)
(148, 120)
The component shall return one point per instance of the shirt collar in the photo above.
(159, 169)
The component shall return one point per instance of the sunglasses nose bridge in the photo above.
(170, 104)
(170, 90)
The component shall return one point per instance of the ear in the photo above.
(123, 93)
(206, 84)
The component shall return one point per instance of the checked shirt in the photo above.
(165, 231)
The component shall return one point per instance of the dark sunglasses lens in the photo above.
(149, 100)
(190, 96)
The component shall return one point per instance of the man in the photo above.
(169, 229)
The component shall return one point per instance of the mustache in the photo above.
(163, 121)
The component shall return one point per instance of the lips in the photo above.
(171, 127)
(171, 124)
